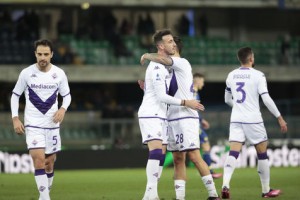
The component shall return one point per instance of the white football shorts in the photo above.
(154, 129)
(253, 133)
(183, 135)
(38, 138)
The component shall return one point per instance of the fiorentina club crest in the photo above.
(54, 76)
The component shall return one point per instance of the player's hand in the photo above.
(18, 126)
(141, 84)
(59, 115)
(205, 124)
(282, 124)
(194, 104)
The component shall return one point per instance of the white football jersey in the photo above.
(156, 76)
(246, 85)
(41, 90)
(181, 87)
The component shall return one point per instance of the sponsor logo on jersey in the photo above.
(42, 86)
(54, 76)
(158, 77)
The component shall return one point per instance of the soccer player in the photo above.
(244, 85)
(204, 125)
(183, 122)
(41, 83)
(152, 112)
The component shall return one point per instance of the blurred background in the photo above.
(99, 44)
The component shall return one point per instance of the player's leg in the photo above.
(152, 169)
(164, 148)
(36, 142)
(179, 174)
(200, 164)
(205, 147)
(38, 157)
(50, 159)
(236, 139)
(151, 130)
(53, 145)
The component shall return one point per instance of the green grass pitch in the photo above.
(129, 184)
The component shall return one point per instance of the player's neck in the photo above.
(246, 66)
(44, 69)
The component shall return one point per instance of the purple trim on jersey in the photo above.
(247, 122)
(39, 172)
(29, 126)
(228, 89)
(152, 117)
(237, 141)
(234, 154)
(66, 95)
(16, 94)
(264, 93)
(260, 142)
(182, 118)
(244, 68)
(155, 154)
(145, 142)
(262, 156)
(42, 106)
(191, 149)
(54, 152)
(173, 85)
(37, 148)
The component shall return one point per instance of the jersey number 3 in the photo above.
(240, 89)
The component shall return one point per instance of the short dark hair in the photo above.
(243, 54)
(198, 75)
(43, 42)
(158, 35)
(179, 43)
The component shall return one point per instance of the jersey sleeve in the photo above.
(21, 84)
(64, 88)
(262, 84)
(179, 63)
(159, 83)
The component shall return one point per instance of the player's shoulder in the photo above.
(28, 70)
(58, 69)
(156, 66)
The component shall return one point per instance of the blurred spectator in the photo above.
(285, 50)
(126, 27)
(203, 23)
(146, 28)
(183, 25)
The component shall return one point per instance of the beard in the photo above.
(253, 65)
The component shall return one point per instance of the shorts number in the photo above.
(240, 89)
(54, 140)
(179, 138)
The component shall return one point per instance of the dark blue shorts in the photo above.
(203, 136)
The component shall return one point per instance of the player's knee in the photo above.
(262, 156)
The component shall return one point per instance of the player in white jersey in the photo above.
(41, 83)
(244, 85)
(152, 112)
(183, 123)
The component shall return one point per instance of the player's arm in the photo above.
(228, 97)
(164, 60)
(165, 98)
(269, 103)
(65, 93)
(14, 104)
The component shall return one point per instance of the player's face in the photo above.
(169, 44)
(198, 83)
(43, 56)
